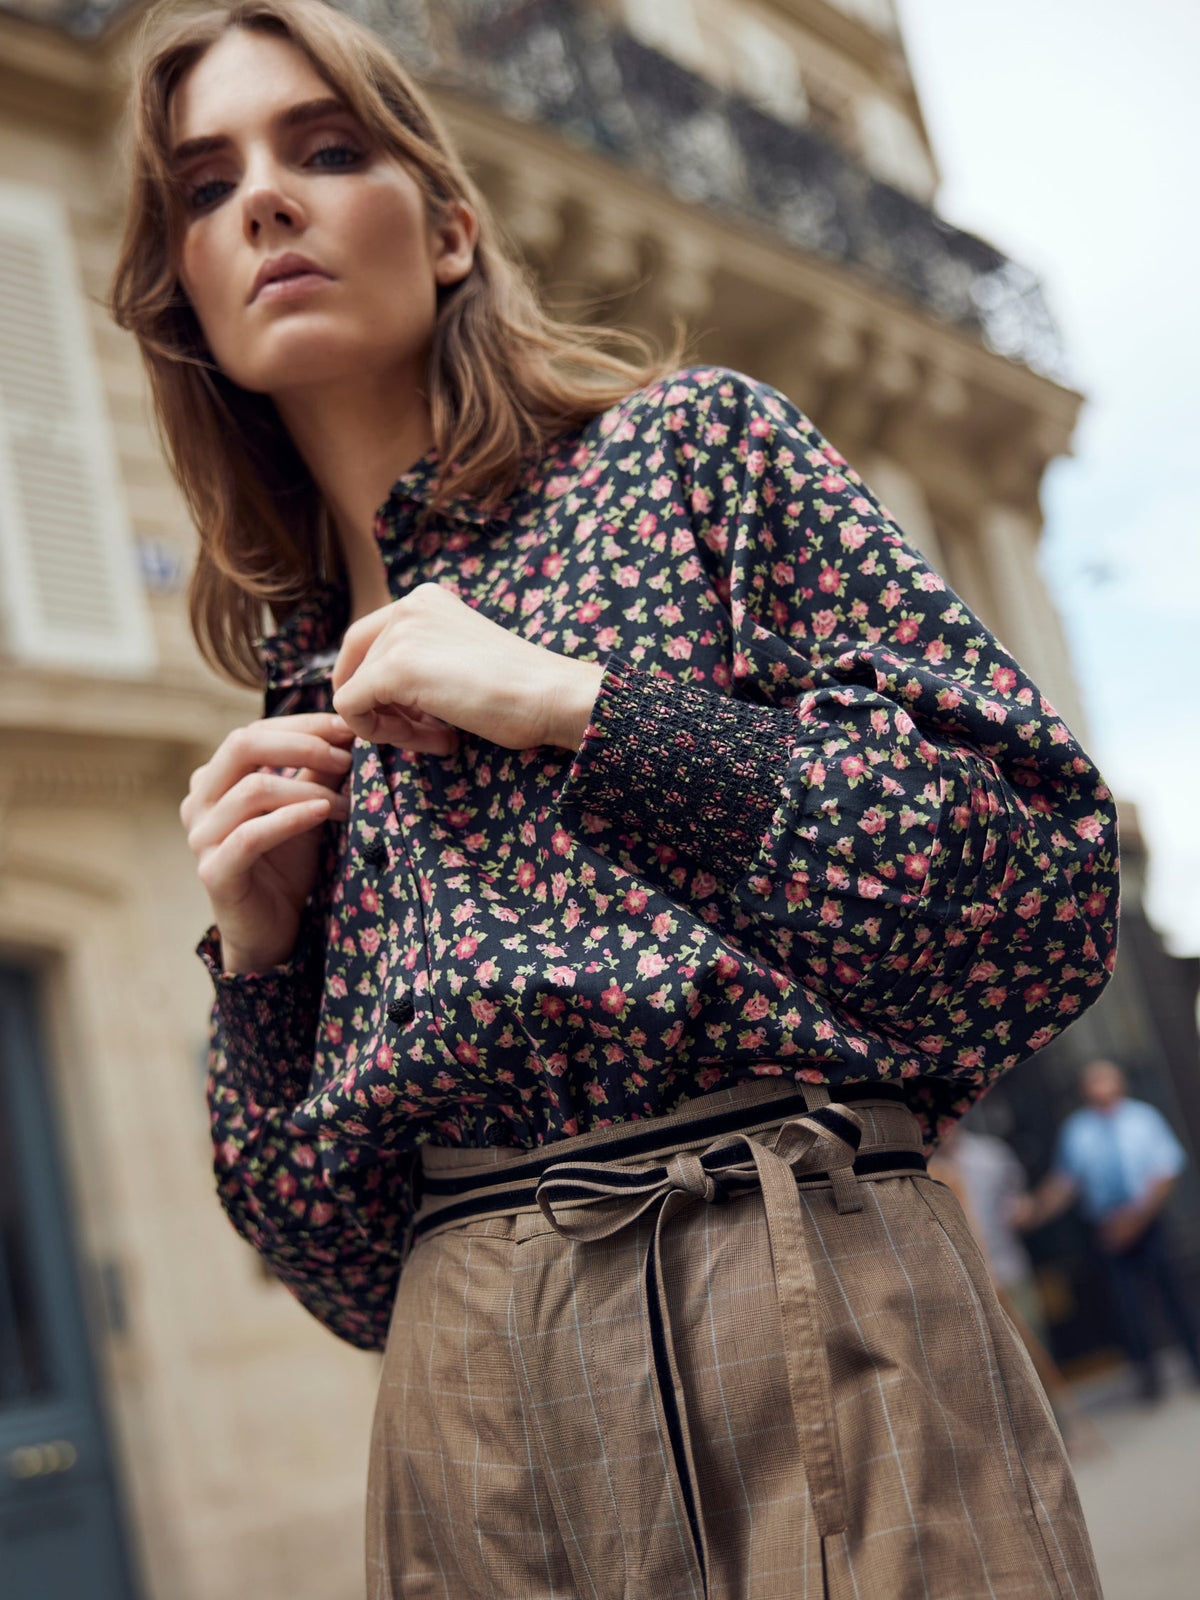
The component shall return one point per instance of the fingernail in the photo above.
(340, 723)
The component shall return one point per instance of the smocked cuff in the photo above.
(268, 1019)
(682, 766)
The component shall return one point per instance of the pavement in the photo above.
(1141, 1494)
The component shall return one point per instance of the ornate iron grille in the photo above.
(564, 64)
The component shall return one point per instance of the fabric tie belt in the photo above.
(777, 1145)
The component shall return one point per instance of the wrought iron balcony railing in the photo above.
(564, 64)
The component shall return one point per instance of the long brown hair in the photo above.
(504, 376)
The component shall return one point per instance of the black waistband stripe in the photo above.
(832, 1119)
(649, 1140)
(517, 1194)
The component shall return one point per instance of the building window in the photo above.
(669, 26)
(767, 70)
(70, 592)
(893, 149)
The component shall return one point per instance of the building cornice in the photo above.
(131, 729)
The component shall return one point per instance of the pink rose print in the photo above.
(558, 938)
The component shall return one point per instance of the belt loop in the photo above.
(842, 1180)
(846, 1194)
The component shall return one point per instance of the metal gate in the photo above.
(61, 1536)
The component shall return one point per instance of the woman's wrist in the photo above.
(574, 697)
(238, 964)
(239, 961)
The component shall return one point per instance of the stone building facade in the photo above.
(171, 1425)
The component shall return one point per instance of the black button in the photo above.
(402, 1010)
(375, 854)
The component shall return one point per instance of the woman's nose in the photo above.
(266, 208)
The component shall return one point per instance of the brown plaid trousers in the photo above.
(613, 1389)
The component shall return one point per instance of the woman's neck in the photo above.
(357, 439)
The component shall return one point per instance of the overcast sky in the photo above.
(1067, 133)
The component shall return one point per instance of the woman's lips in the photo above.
(293, 287)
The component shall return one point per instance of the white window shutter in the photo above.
(70, 592)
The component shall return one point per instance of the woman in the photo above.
(635, 822)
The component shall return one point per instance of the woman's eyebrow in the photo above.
(296, 116)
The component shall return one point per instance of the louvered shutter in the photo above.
(70, 592)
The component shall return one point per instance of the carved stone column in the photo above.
(529, 205)
(1027, 620)
(861, 401)
(599, 256)
(809, 356)
(677, 286)
(901, 494)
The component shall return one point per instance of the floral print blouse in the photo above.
(821, 825)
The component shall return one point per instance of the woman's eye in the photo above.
(207, 194)
(335, 155)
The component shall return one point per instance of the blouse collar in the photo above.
(314, 626)
(415, 489)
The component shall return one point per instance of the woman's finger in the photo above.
(328, 780)
(254, 795)
(427, 736)
(368, 702)
(326, 723)
(231, 860)
(268, 744)
(357, 641)
(265, 744)
(374, 683)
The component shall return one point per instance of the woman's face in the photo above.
(271, 166)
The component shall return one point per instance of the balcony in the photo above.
(565, 65)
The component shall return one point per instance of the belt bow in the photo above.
(589, 1201)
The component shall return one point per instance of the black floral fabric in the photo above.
(821, 826)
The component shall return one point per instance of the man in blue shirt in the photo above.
(1119, 1158)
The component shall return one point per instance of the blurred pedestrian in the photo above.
(991, 1182)
(1119, 1158)
(992, 1188)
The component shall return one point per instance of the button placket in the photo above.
(402, 1009)
(377, 855)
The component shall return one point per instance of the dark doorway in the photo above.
(61, 1535)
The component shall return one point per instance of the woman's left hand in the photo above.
(412, 672)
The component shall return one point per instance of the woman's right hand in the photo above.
(252, 815)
